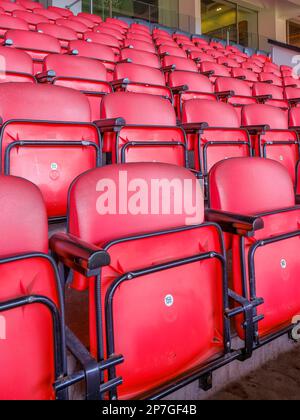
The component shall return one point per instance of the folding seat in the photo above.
(43, 141)
(103, 39)
(233, 49)
(262, 58)
(86, 22)
(161, 33)
(164, 50)
(189, 85)
(61, 11)
(272, 70)
(31, 304)
(30, 5)
(249, 76)
(248, 65)
(98, 52)
(137, 37)
(31, 18)
(84, 74)
(119, 22)
(271, 137)
(270, 78)
(182, 39)
(235, 92)
(94, 18)
(78, 27)
(172, 251)
(63, 34)
(214, 70)
(9, 7)
(110, 31)
(17, 66)
(140, 45)
(214, 53)
(143, 58)
(37, 45)
(228, 62)
(10, 22)
(237, 57)
(141, 79)
(254, 199)
(217, 45)
(270, 95)
(291, 82)
(199, 42)
(292, 95)
(166, 42)
(140, 27)
(141, 128)
(179, 63)
(214, 134)
(199, 56)
(49, 14)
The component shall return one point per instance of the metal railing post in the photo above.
(92, 6)
(110, 8)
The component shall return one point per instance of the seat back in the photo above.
(150, 133)
(76, 26)
(27, 271)
(61, 11)
(165, 292)
(11, 22)
(277, 93)
(62, 33)
(37, 45)
(31, 18)
(141, 57)
(94, 18)
(17, 66)
(294, 117)
(84, 74)
(56, 147)
(140, 45)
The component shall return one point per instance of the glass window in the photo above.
(219, 19)
(293, 33)
(247, 27)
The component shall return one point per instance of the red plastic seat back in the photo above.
(141, 57)
(247, 75)
(294, 118)
(84, 74)
(174, 51)
(239, 87)
(214, 114)
(54, 115)
(30, 5)
(181, 64)
(16, 66)
(94, 18)
(63, 12)
(31, 18)
(37, 45)
(277, 93)
(205, 299)
(9, 6)
(24, 230)
(10, 22)
(140, 45)
(78, 27)
(103, 39)
(217, 69)
(49, 14)
(266, 77)
(63, 34)
(264, 115)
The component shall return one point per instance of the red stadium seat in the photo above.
(171, 249)
(249, 76)
(180, 63)
(141, 79)
(117, 22)
(228, 62)
(84, 74)
(37, 45)
(94, 18)
(292, 95)
(61, 11)
(259, 194)
(112, 30)
(31, 18)
(164, 50)
(147, 133)
(140, 45)
(291, 82)
(271, 137)
(190, 85)
(10, 22)
(214, 134)
(237, 57)
(139, 37)
(99, 52)
(9, 7)
(143, 58)
(103, 39)
(43, 141)
(270, 78)
(62, 33)
(86, 22)
(272, 68)
(214, 70)
(270, 95)
(49, 14)
(200, 56)
(252, 67)
(76, 26)
(30, 5)
(140, 27)
(17, 66)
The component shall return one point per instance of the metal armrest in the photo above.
(263, 98)
(235, 223)
(120, 83)
(86, 259)
(110, 125)
(179, 89)
(194, 127)
(125, 61)
(92, 370)
(46, 76)
(294, 101)
(225, 94)
(241, 77)
(256, 129)
(208, 73)
(169, 69)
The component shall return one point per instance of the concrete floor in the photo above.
(276, 380)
